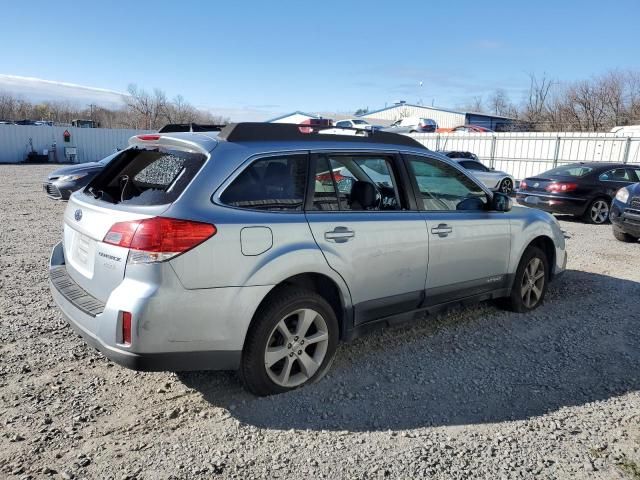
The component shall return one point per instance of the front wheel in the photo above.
(597, 211)
(506, 186)
(291, 343)
(622, 236)
(530, 284)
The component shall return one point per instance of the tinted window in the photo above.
(441, 186)
(616, 175)
(343, 124)
(636, 172)
(274, 183)
(469, 165)
(568, 171)
(355, 183)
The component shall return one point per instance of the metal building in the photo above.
(443, 117)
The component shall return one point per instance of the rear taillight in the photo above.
(556, 187)
(157, 239)
(149, 137)
(523, 185)
(126, 328)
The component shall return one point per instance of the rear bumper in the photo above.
(173, 329)
(553, 203)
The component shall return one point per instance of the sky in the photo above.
(254, 60)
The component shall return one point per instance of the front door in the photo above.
(361, 221)
(468, 244)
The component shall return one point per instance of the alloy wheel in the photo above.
(506, 186)
(599, 211)
(296, 348)
(532, 283)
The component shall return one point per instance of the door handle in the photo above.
(442, 230)
(339, 235)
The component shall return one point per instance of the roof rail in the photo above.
(191, 127)
(260, 131)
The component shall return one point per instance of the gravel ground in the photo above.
(478, 393)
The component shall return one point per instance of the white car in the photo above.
(356, 123)
(412, 125)
(493, 179)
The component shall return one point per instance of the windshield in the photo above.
(569, 171)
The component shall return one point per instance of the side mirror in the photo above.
(501, 202)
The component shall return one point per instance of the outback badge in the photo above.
(78, 215)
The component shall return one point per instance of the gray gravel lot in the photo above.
(478, 393)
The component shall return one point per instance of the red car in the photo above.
(465, 129)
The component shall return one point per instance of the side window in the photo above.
(324, 195)
(343, 125)
(636, 172)
(442, 187)
(274, 183)
(616, 175)
(355, 183)
(471, 165)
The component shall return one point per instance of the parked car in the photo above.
(238, 251)
(412, 125)
(356, 123)
(583, 189)
(465, 129)
(61, 183)
(625, 213)
(494, 179)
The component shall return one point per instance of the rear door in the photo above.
(362, 220)
(469, 246)
(616, 178)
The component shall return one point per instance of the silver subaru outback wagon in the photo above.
(261, 247)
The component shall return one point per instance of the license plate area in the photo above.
(82, 253)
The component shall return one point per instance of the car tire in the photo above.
(597, 213)
(620, 235)
(533, 262)
(506, 186)
(301, 357)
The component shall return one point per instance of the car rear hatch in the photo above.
(140, 184)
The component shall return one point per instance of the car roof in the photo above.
(258, 136)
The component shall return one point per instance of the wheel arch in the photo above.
(327, 287)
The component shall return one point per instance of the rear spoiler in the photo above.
(191, 127)
(204, 143)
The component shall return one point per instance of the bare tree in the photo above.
(536, 103)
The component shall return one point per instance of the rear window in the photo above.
(146, 177)
(569, 171)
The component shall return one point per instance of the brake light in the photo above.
(157, 239)
(126, 328)
(523, 185)
(556, 187)
(148, 138)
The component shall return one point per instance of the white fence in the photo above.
(91, 144)
(527, 154)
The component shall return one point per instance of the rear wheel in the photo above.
(597, 212)
(622, 236)
(530, 284)
(506, 186)
(291, 343)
